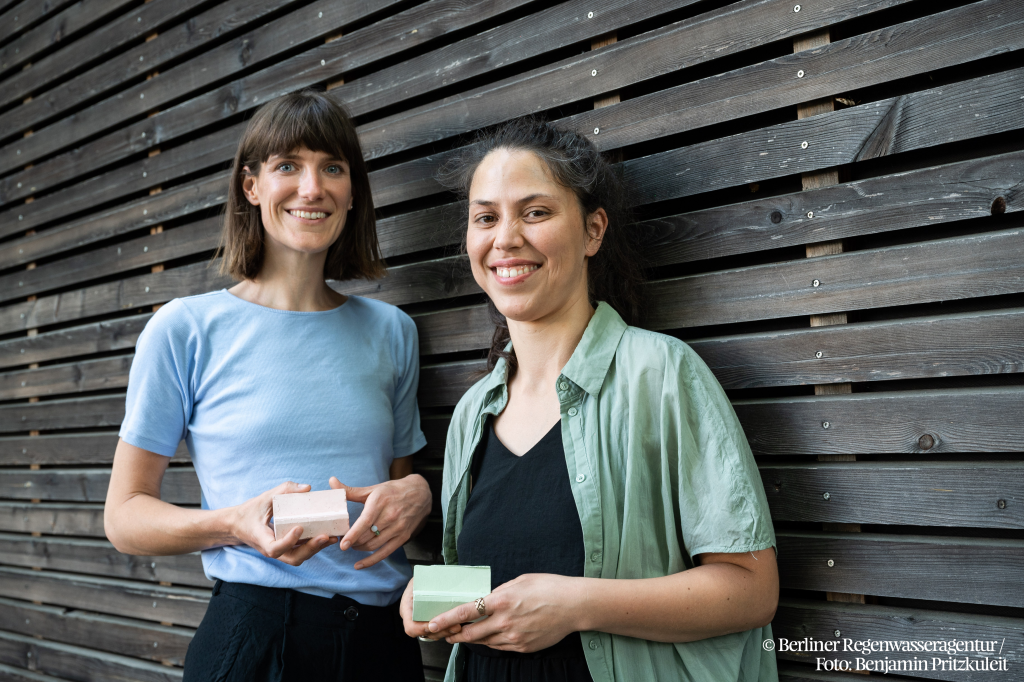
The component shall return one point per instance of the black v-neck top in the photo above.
(521, 518)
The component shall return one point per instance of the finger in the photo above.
(289, 487)
(460, 614)
(352, 494)
(371, 542)
(278, 547)
(380, 555)
(487, 630)
(300, 553)
(362, 524)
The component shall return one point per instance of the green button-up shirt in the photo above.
(660, 471)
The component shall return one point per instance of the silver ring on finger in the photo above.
(376, 531)
(481, 608)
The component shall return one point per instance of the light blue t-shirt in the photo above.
(262, 396)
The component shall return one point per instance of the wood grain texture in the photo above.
(104, 633)
(66, 414)
(456, 329)
(84, 520)
(127, 294)
(67, 25)
(98, 337)
(711, 35)
(98, 557)
(550, 28)
(947, 269)
(912, 494)
(75, 449)
(909, 566)
(149, 211)
(443, 385)
(26, 13)
(79, 663)
(963, 420)
(957, 36)
(318, 20)
(12, 674)
(89, 375)
(156, 603)
(917, 120)
(965, 110)
(940, 346)
(930, 196)
(175, 39)
(403, 31)
(179, 486)
(799, 618)
(180, 242)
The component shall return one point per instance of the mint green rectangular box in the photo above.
(436, 589)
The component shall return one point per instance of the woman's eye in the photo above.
(286, 167)
(537, 213)
(334, 169)
(486, 219)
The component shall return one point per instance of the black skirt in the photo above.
(521, 518)
(265, 634)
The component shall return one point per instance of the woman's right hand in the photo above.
(251, 526)
(420, 629)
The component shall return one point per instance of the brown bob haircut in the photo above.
(312, 120)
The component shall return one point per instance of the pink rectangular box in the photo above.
(319, 513)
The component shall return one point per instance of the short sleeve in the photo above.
(159, 402)
(722, 503)
(408, 437)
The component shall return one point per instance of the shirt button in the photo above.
(572, 411)
(596, 556)
(581, 478)
(563, 386)
(351, 613)
(594, 644)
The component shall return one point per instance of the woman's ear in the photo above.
(249, 187)
(597, 225)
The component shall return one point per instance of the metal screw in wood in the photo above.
(597, 130)
(590, 15)
(824, 425)
(594, 72)
(831, 563)
(815, 283)
(797, 8)
(826, 496)
(803, 145)
(800, 73)
(810, 214)
(837, 633)
(818, 354)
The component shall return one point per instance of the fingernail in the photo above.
(344, 546)
(432, 627)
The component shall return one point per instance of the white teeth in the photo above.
(516, 271)
(309, 215)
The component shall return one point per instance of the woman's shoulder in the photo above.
(372, 311)
(645, 349)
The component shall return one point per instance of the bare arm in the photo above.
(137, 521)
(725, 593)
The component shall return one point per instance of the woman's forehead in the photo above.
(507, 173)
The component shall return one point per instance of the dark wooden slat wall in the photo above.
(118, 119)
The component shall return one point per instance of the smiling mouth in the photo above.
(307, 215)
(506, 273)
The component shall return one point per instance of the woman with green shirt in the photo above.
(599, 469)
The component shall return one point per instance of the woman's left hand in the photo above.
(396, 508)
(530, 613)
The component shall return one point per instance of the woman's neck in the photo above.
(292, 281)
(543, 347)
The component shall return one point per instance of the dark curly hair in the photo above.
(614, 274)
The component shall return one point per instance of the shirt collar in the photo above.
(588, 366)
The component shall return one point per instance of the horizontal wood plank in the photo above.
(174, 39)
(98, 557)
(908, 566)
(67, 25)
(914, 348)
(912, 422)
(95, 631)
(797, 619)
(75, 449)
(24, 14)
(79, 663)
(179, 485)
(90, 375)
(84, 412)
(157, 603)
(84, 520)
(974, 495)
(98, 337)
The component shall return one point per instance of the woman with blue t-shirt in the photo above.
(282, 385)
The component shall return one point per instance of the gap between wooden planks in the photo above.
(815, 181)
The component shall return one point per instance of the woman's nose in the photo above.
(508, 235)
(310, 185)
